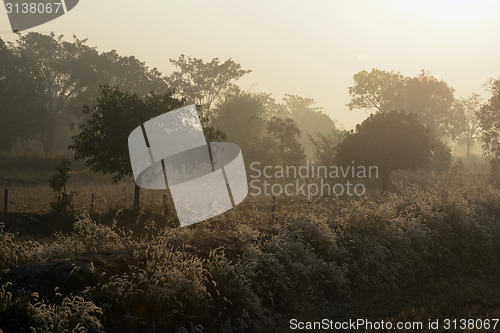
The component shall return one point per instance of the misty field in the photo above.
(427, 250)
(87, 127)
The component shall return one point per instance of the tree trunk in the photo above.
(137, 196)
(468, 148)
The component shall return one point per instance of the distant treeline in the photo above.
(51, 88)
(45, 81)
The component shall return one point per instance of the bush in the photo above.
(23, 313)
(58, 182)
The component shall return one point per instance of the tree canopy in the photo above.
(103, 138)
(281, 140)
(468, 129)
(47, 80)
(22, 99)
(390, 140)
(310, 120)
(241, 118)
(426, 96)
(204, 83)
(489, 118)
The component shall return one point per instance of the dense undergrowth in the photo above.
(245, 272)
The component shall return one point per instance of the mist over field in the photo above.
(251, 167)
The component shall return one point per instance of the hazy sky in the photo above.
(309, 48)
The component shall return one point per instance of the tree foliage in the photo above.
(58, 182)
(310, 120)
(325, 147)
(378, 89)
(391, 141)
(283, 146)
(22, 100)
(426, 96)
(468, 129)
(489, 118)
(58, 64)
(204, 83)
(67, 75)
(241, 118)
(103, 138)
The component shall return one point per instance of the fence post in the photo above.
(5, 199)
(92, 204)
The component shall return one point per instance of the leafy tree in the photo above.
(103, 138)
(468, 130)
(58, 66)
(325, 147)
(432, 101)
(440, 156)
(489, 119)
(132, 75)
(282, 143)
(390, 140)
(310, 120)
(21, 98)
(72, 72)
(240, 117)
(429, 98)
(378, 89)
(271, 107)
(204, 83)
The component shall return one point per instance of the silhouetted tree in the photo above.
(22, 100)
(390, 140)
(429, 98)
(378, 89)
(130, 74)
(204, 83)
(103, 138)
(325, 147)
(281, 142)
(440, 156)
(240, 117)
(63, 77)
(468, 129)
(71, 73)
(310, 120)
(489, 118)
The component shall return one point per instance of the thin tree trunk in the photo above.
(468, 148)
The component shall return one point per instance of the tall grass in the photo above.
(314, 258)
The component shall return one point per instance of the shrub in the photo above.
(58, 182)
(23, 313)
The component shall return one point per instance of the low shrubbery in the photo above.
(314, 258)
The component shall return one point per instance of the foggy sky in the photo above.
(309, 48)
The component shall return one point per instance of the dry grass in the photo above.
(107, 196)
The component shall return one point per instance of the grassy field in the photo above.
(427, 250)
